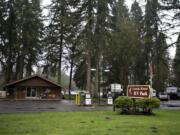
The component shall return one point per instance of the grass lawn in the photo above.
(165, 122)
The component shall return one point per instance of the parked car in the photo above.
(163, 96)
(178, 94)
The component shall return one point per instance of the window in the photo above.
(31, 92)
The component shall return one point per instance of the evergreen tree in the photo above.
(173, 6)
(102, 35)
(151, 31)
(9, 49)
(22, 31)
(138, 66)
(176, 65)
(123, 46)
(161, 64)
(87, 44)
(58, 33)
(3, 16)
(155, 51)
(137, 17)
(31, 27)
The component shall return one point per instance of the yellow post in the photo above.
(78, 99)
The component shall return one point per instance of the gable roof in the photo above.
(31, 77)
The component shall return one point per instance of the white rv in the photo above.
(172, 90)
(116, 88)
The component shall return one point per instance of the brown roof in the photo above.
(28, 78)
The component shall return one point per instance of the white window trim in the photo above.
(31, 93)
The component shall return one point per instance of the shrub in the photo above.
(134, 106)
(124, 103)
(147, 104)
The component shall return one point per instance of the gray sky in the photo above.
(142, 3)
(128, 2)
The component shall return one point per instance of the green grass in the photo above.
(165, 122)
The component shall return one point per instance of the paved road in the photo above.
(45, 106)
(172, 104)
(61, 106)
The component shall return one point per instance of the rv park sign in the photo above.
(139, 91)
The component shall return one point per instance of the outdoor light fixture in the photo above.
(106, 70)
(93, 69)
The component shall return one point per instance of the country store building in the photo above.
(34, 88)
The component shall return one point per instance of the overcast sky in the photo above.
(142, 3)
(128, 2)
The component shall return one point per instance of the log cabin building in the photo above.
(33, 88)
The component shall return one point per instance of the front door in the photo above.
(20, 94)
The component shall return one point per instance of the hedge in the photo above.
(128, 105)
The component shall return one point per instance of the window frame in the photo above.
(31, 92)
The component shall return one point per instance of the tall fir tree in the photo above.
(31, 31)
(11, 39)
(59, 30)
(22, 34)
(176, 66)
(102, 35)
(88, 16)
(61, 35)
(138, 66)
(155, 51)
(123, 46)
(151, 31)
(161, 64)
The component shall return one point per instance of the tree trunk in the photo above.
(8, 70)
(21, 66)
(60, 55)
(88, 72)
(71, 70)
(70, 78)
(98, 64)
(17, 67)
(61, 44)
(29, 67)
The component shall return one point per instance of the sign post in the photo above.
(114, 109)
(115, 88)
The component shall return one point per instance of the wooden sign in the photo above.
(139, 91)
